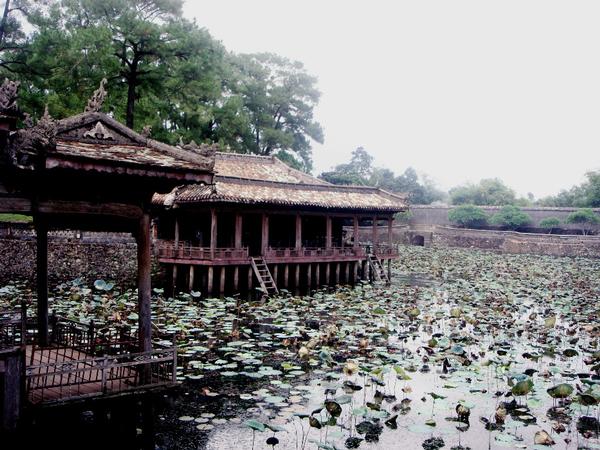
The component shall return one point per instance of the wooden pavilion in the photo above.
(262, 223)
(85, 172)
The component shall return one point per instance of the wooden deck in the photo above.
(58, 374)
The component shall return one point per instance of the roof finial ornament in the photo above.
(95, 102)
(8, 95)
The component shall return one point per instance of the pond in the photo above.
(466, 349)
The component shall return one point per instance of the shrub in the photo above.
(585, 217)
(510, 217)
(468, 216)
(550, 223)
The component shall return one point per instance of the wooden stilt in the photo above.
(209, 284)
(389, 269)
(297, 279)
(286, 276)
(328, 274)
(309, 277)
(275, 273)
(317, 275)
(337, 273)
(174, 286)
(347, 273)
(191, 278)
(41, 229)
(354, 272)
(236, 278)
(250, 279)
(222, 283)
(144, 284)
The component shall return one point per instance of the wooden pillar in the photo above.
(209, 284)
(354, 272)
(264, 243)
(236, 278)
(41, 229)
(317, 275)
(176, 233)
(337, 273)
(286, 276)
(144, 284)
(213, 233)
(356, 239)
(275, 272)
(298, 232)
(347, 273)
(389, 269)
(250, 279)
(238, 230)
(297, 277)
(365, 271)
(309, 277)
(328, 274)
(390, 231)
(327, 231)
(222, 283)
(375, 237)
(174, 280)
(191, 279)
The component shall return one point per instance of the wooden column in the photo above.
(41, 229)
(356, 240)
(328, 274)
(264, 242)
(238, 230)
(213, 233)
(327, 231)
(275, 273)
(250, 279)
(209, 282)
(144, 283)
(337, 273)
(298, 232)
(309, 277)
(174, 287)
(317, 275)
(347, 273)
(354, 272)
(297, 277)
(191, 279)
(375, 237)
(222, 283)
(390, 231)
(389, 269)
(176, 233)
(286, 276)
(236, 278)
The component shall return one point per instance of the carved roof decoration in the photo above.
(27, 146)
(8, 97)
(96, 101)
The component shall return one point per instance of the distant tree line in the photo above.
(360, 171)
(163, 70)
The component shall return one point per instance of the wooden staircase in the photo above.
(377, 268)
(263, 274)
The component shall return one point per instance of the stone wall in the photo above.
(426, 215)
(513, 242)
(71, 254)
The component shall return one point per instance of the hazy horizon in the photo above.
(458, 90)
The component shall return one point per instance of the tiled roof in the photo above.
(263, 168)
(230, 190)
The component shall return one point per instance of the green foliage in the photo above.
(584, 195)
(585, 217)
(165, 71)
(359, 171)
(550, 223)
(403, 217)
(15, 218)
(468, 216)
(510, 217)
(490, 192)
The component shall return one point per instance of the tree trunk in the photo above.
(4, 20)
(131, 84)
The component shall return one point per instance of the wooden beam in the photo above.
(144, 258)
(213, 232)
(16, 205)
(41, 229)
(264, 241)
(238, 230)
(298, 231)
(328, 231)
(75, 207)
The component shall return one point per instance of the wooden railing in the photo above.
(167, 249)
(385, 250)
(89, 377)
(312, 252)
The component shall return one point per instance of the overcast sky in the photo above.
(459, 90)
